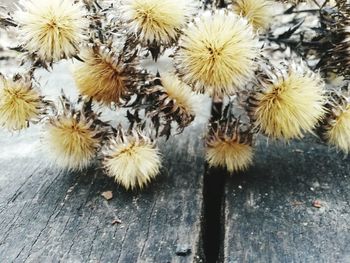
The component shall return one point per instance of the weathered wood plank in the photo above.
(51, 216)
(269, 212)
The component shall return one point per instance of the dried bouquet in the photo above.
(275, 68)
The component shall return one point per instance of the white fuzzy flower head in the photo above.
(217, 53)
(73, 137)
(291, 103)
(230, 148)
(20, 103)
(51, 29)
(184, 99)
(133, 161)
(336, 125)
(258, 12)
(156, 21)
(102, 76)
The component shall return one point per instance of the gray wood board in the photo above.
(52, 216)
(269, 214)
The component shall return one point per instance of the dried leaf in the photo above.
(317, 204)
(116, 221)
(108, 195)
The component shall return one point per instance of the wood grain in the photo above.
(52, 216)
(269, 211)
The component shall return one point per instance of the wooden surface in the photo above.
(270, 213)
(52, 216)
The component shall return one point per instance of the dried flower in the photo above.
(73, 137)
(156, 21)
(258, 12)
(103, 76)
(336, 125)
(335, 51)
(230, 146)
(172, 98)
(217, 54)
(133, 160)
(178, 92)
(290, 102)
(20, 103)
(51, 29)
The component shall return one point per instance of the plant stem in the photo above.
(216, 110)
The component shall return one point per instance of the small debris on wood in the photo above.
(298, 151)
(70, 189)
(116, 221)
(108, 195)
(297, 203)
(317, 204)
(183, 250)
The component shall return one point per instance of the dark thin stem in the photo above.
(220, 3)
(216, 109)
(305, 11)
(295, 43)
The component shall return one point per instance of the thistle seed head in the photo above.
(132, 160)
(52, 30)
(104, 76)
(289, 103)
(230, 146)
(217, 53)
(258, 12)
(335, 128)
(156, 21)
(20, 103)
(73, 137)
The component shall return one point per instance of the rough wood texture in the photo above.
(52, 216)
(269, 211)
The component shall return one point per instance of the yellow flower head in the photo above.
(181, 94)
(156, 21)
(20, 103)
(51, 29)
(176, 100)
(290, 103)
(102, 76)
(217, 53)
(258, 12)
(72, 140)
(230, 149)
(133, 161)
(337, 125)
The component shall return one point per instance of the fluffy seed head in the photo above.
(217, 53)
(72, 140)
(179, 93)
(339, 133)
(20, 103)
(133, 161)
(156, 21)
(51, 29)
(336, 126)
(290, 103)
(102, 76)
(258, 12)
(230, 148)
